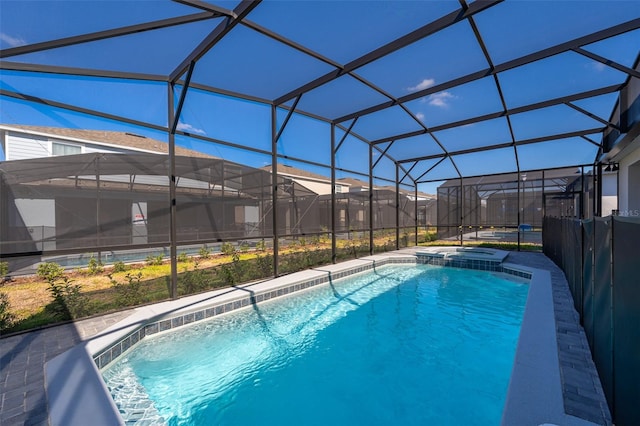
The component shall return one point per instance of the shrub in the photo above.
(227, 249)
(231, 273)
(194, 281)
(6, 317)
(130, 292)
(183, 258)
(49, 271)
(204, 253)
(68, 302)
(264, 265)
(154, 260)
(4, 269)
(261, 245)
(95, 266)
(119, 266)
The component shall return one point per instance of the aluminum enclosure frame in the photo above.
(229, 19)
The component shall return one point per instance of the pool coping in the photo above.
(534, 371)
(534, 396)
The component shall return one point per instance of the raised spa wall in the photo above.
(76, 391)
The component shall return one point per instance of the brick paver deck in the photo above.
(581, 388)
(22, 357)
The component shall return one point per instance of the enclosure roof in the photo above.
(442, 89)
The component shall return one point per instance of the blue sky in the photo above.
(247, 62)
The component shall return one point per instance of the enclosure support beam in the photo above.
(173, 287)
(598, 185)
(415, 207)
(398, 207)
(98, 208)
(406, 172)
(51, 103)
(578, 133)
(101, 35)
(418, 34)
(274, 187)
(518, 197)
(173, 119)
(370, 199)
(183, 96)
(333, 194)
(629, 71)
(582, 193)
(461, 204)
(218, 33)
(544, 202)
(344, 137)
(505, 66)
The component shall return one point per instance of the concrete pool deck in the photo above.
(22, 357)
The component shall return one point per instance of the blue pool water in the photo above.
(402, 345)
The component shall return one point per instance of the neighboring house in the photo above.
(69, 189)
(352, 199)
(319, 184)
(20, 142)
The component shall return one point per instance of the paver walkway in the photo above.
(22, 357)
(581, 387)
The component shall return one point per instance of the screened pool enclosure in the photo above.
(369, 123)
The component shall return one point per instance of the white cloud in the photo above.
(420, 116)
(12, 41)
(188, 128)
(424, 84)
(598, 66)
(440, 99)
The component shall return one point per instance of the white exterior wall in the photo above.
(23, 146)
(320, 188)
(89, 149)
(627, 187)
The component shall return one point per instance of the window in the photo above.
(338, 189)
(65, 149)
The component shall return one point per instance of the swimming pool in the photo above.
(401, 345)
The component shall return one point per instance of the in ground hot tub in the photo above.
(485, 259)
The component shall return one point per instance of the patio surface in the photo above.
(22, 357)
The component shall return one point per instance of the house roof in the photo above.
(353, 182)
(107, 137)
(285, 169)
